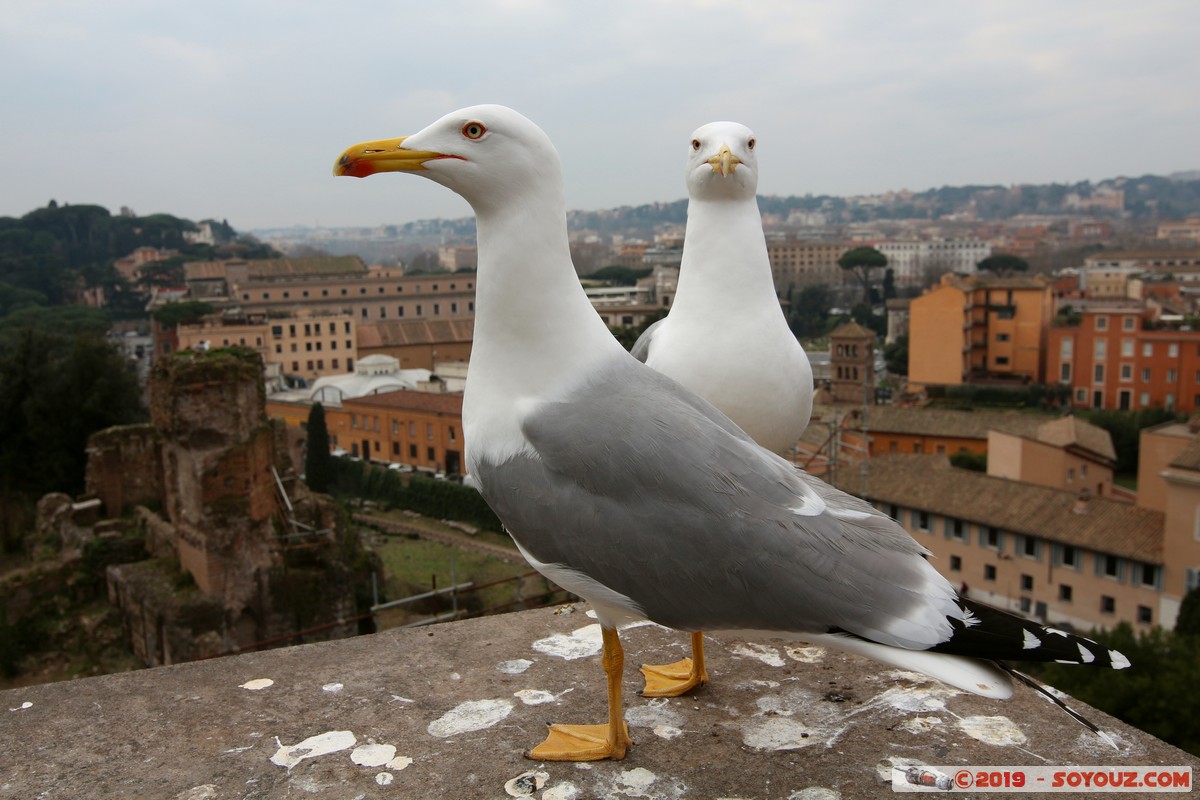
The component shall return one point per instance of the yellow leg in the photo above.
(593, 742)
(672, 680)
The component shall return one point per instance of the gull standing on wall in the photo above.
(726, 337)
(633, 492)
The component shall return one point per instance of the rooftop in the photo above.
(446, 712)
(950, 424)
(929, 483)
(395, 333)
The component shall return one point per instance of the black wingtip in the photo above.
(1047, 694)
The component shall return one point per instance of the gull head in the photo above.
(722, 164)
(489, 154)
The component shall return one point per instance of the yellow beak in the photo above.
(724, 162)
(382, 155)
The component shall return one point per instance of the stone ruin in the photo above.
(241, 553)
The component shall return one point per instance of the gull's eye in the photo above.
(750, 144)
(695, 144)
(474, 130)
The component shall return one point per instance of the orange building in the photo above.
(1049, 554)
(422, 430)
(1066, 453)
(418, 343)
(973, 328)
(1112, 360)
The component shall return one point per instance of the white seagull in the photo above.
(726, 338)
(629, 490)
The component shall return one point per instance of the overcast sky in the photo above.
(237, 110)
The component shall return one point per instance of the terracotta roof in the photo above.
(851, 330)
(204, 270)
(948, 423)
(1189, 457)
(392, 333)
(273, 268)
(930, 483)
(442, 403)
(1071, 431)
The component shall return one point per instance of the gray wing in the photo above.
(652, 492)
(641, 348)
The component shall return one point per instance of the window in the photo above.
(1001, 361)
(1129, 323)
(1026, 605)
(1107, 605)
(1145, 615)
(1101, 322)
(1098, 374)
(1127, 348)
(1070, 475)
(1171, 375)
(429, 430)
(1101, 348)
(395, 448)
(1147, 348)
(989, 572)
(1066, 348)
(1148, 576)
(453, 435)
(991, 538)
(956, 529)
(1127, 372)
(412, 451)
(1081, 395)
(1029, 547)
(955, 564)
(894, 512)
(430, 453)
(1064, 375)
(1026, 583)
(1064, 593)
(412, 428)
(1002, 337)
(1109, 566)
(395, 426)
(1173, 350)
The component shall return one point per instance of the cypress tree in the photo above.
(317, 458)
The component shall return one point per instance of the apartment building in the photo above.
(417, 343)
(307, 344)
(1113, 359)
(796, 263)
(968, 328)
(914, 261)
(1062, 557)
(418, 429)
(341, 284)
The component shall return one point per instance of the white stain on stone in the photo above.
(580, 643)
(667, 731)
(537, 697)
(333, 688)
(916, 699)
(526, 784)
(399, 763)
(257, 684)
(883, 770)
(780, 733)
(373, 755)
(993, 730)
(385, 778)
(473, 715)
(920, 724)
(816, 793)
(206, 792)
(765, 684)
(637, 779)
(805, 655)
(768, 655)
(23, 706)
(514, 667)
(653, 714)
(319, 745)
(561, 791)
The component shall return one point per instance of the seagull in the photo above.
(627, 489)
(726, 338)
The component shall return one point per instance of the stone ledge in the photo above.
(778, 719)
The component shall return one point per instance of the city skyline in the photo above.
(239, 113)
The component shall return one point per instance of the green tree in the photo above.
(619, 275)
(889, 284)
(318, 469)
(1125, 428)
(185, 313)
(895, 356)
(809, 317)
(1188, 621)
(1003, 264)
(56, 390)
(859, 262)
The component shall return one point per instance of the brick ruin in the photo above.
(205, 482)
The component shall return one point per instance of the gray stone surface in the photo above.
(464, 700)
